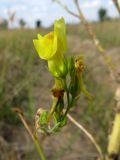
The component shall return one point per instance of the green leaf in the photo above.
(55, 128)
(60, 106)
(57, 117)
(85, 91)
(43, 118)
(63, 122)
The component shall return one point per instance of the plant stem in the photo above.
(54, 105)
(68, 100)
(116, 2)
(88, 135)
(39, 149)
(34, 138)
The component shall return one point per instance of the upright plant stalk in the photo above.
(34, 137)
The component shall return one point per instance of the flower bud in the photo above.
(58, 67)
(79, 65)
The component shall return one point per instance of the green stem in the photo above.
(34, 138)
(55, 102)
(39, 149)
(68, 100)
(67, 92)
(66, 112)
(68, 97)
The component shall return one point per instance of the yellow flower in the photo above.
(46, 46)
(52, 47)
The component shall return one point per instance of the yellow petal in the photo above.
(46, 46)
(60, 30)
(39, 36)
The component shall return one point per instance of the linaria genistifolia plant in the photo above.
(68, 78)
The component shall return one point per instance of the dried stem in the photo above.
(34, 138)
(87, 134)
(66, 8)
(116, 2)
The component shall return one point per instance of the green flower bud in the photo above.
(58, 67)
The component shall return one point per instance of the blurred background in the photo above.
(25, 82)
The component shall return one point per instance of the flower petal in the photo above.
(60, 30)
(46, 46)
